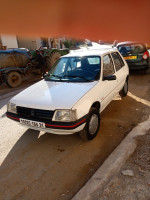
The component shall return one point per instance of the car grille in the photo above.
(35, 114)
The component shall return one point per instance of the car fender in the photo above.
(83, 106)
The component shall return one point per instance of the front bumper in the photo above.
(63, 128)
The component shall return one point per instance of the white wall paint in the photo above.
(9, 41)
(38, 42)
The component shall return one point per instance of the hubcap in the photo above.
(93, 124)
(14, 79)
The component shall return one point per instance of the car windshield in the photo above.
(75, 69)
(132, 48)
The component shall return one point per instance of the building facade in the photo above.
(8, 42)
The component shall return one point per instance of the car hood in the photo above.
(49, 95)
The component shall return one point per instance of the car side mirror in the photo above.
(109, 78)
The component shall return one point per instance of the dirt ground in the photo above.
(26, 81)
(136, 187)
(44, 166)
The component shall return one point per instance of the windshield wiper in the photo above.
(60, 77)
(76, 77)
(48, 75)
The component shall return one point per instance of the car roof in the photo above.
(91, 51)
(128, 42)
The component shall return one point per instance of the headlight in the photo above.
(64, 115)
(11, 107)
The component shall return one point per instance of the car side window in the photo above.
(117, 60)
(108, 68)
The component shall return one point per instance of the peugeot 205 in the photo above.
(73, 93)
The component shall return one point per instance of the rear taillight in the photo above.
(145, 55)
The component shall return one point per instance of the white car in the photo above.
(73, 94)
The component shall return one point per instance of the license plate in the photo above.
(130, 57)
(32, 123)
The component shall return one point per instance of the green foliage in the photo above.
(69, 43)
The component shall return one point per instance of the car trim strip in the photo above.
(83, 120)
(59, 126)
(12, 117)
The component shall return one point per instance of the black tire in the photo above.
(48, 63)
(147, 70)
(50, 60)
(1, 80)
(13, 79)
(124, 90)
(89, 133)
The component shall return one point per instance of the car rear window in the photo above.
(132, 48)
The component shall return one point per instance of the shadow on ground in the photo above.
(140, 86)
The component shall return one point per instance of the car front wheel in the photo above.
(92, 126)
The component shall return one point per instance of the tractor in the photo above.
(17, 62)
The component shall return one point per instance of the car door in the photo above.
(107, 86)
(121, 70)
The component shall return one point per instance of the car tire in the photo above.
(124, 90)
(147, 70)
(92, 126)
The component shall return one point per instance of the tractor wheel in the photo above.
(13, 79)
(50, 61)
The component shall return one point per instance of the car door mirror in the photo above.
(109, 78)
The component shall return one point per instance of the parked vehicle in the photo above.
(13, 64)
(136, 55)
(73, 94)
(51, 55)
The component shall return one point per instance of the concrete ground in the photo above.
(44, 166)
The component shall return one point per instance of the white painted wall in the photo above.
(38, 42)
(9, 41)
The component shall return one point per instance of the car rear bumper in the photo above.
(138, 65)
(62, 128)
